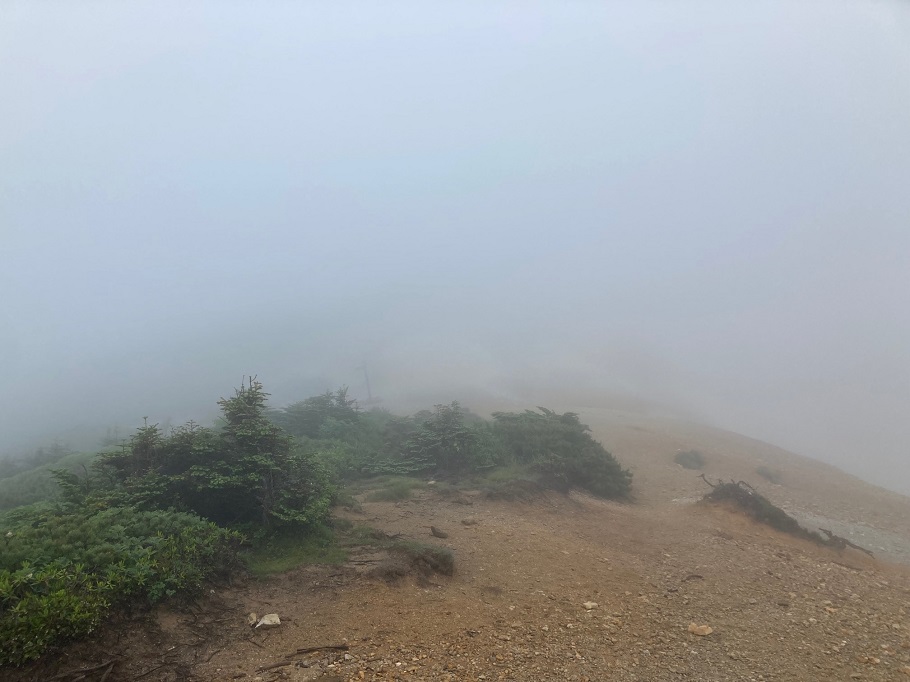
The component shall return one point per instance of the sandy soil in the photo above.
(780, 608)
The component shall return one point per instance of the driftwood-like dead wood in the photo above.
(311, 649)
(705, 479)
(305, 650)
(838, 541)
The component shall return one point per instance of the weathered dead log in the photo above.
(838, 541)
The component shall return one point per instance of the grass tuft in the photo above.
(395, 490)
(286, 551)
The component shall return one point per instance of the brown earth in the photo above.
(780, 608)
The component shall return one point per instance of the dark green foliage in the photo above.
(443, 443)
(309, 418)
(451, 442)
(560, 448)
(446, 441)
(771, 475)
(690, 459)
(247, 471)
(61, 570)
(760, 508)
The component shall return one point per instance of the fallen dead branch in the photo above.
(840, 543)
(327, 647)
(304, 650)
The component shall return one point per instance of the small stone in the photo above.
(438, 533)
(252, 619)
(590, 605)
(700, 630)
(906, 670)
(269, 620)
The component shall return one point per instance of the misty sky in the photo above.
(705, 205)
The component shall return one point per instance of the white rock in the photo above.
(590, 605)
(269, 620)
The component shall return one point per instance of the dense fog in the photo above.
(699, 209)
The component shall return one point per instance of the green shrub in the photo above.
(248, 471)
(313, 417)
(560, 449)
(61, 570)
(690, 459)
(444, 443)
(48, 605)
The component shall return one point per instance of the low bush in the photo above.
(61, 571)
(561, 450)
(248, 471)
(690, 459)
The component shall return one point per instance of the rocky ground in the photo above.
(569, 588)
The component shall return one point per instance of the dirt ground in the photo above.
(565, 588)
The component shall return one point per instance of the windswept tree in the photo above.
(561, 449)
